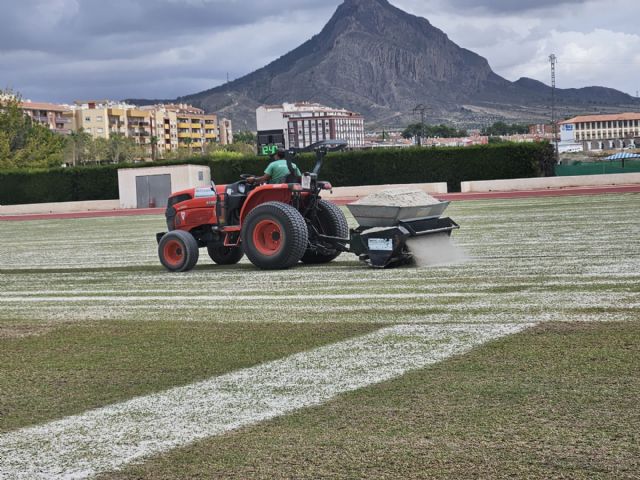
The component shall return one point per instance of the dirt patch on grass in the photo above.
(24, 330)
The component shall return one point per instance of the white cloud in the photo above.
(59, 50)
(596, 41)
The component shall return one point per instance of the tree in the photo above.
(99, 150)
(502, 128)
(24, 144)
(244, 137)
(442, 130)
(412, 131)
(77, 148)
(122, 149)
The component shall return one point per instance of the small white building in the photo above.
(151, 187)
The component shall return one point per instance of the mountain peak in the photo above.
(378, 60)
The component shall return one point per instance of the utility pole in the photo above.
(421, 109)
(553, 59)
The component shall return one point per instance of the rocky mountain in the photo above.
(378, 60)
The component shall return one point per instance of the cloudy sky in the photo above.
(63, 50)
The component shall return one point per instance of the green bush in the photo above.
(361, 167)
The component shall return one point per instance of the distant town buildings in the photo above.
(302, 124)
(600, 132)
(543, 130)
(55, 117)
(158, 129)
(457, 142)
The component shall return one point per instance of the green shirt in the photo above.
(278, 171)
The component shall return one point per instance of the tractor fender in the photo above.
(263, 194)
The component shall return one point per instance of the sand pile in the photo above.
(398, 197)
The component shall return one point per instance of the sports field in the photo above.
(522, 362)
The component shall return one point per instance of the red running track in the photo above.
(343, 201)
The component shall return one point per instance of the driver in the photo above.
(277, 171)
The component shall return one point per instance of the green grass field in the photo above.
(89, 319)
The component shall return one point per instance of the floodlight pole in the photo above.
(420, 108)
(553, 59)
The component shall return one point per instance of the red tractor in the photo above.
(276, 225)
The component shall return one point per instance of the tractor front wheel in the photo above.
(178, 251)
(225, 255)
(274, 236)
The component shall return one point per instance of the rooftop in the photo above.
(603, 118)
(44, 106)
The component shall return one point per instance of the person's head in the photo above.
(280, 154)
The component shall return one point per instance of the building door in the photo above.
(153, 190)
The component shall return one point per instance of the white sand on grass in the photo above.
(106, 439)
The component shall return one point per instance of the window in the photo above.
(99, 118)
(87, 119)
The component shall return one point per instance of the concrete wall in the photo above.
(65, 207)
(551, 182)
(182, 177)
(343, 192)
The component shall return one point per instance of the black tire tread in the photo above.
(192, 251)
(231, 258)
(339, 228)
(298, 235)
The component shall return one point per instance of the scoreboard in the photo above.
(269, 141)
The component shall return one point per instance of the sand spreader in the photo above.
(380, 240)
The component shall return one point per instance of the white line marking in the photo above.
(106, 439)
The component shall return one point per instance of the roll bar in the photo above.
(321, 148)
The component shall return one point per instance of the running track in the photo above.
(344, 200)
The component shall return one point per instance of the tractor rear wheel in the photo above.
(225, 255)
(274, 236)
(178, 251)
(329, 221)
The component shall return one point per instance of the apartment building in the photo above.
(602, 132)
(301, 124)
(103, 119)
(195, 128)
(58, 118)
(158, 128)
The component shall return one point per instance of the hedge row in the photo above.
(59, 185)
(369, 167)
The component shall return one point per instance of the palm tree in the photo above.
(188, 141)
(154, 148)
